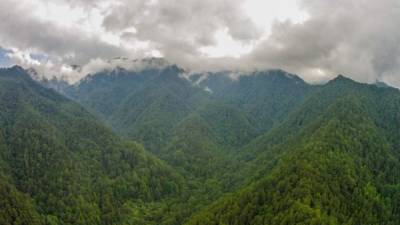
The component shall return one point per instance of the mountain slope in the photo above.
(266, 96)
(287, 152)
(67, 165)
(150, 114)
(104, 91)
(339, 166)
(142, 105)
(147, 105)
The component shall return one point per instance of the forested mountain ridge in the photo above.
(133, 102)
(195, 123)
(266, 96)
(259, 148)
(59, 165)
(144, 99)
(338, 163)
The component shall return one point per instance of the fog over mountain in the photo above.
(312, 38)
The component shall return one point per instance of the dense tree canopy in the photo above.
(261, 149)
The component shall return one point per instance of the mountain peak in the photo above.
(17, 68)
(341, 78)
(14, 71)
(139, 64)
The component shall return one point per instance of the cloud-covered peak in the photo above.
(139, 64)
(74, 73)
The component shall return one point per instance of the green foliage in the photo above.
(71, 169)
(17, 208)
(338, 165)
(260, 149)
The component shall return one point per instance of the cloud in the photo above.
(21, 29)
(90, 30)
(179, 29)
(192, 21)
(357, 38)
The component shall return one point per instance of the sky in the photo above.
(315, 39)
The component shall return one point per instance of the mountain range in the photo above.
(156, 144)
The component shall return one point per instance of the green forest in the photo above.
(153, 147)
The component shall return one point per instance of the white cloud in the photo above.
(226, 46)
(22, 58)
(316, 39)
(356, 38)
(264, 13)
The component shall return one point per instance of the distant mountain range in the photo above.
(147, 142)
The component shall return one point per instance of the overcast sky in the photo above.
(316, 39)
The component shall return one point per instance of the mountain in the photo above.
(60, 165)
(338, 163)
(105, 90)
(195, 124)
(266, 96)
(134, 102)
(160, 106)
(259, 147)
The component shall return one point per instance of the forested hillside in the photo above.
(59, 165)
(254, 148)
(197, 123)
(338, 164)
(159, 106)
(135, 102)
